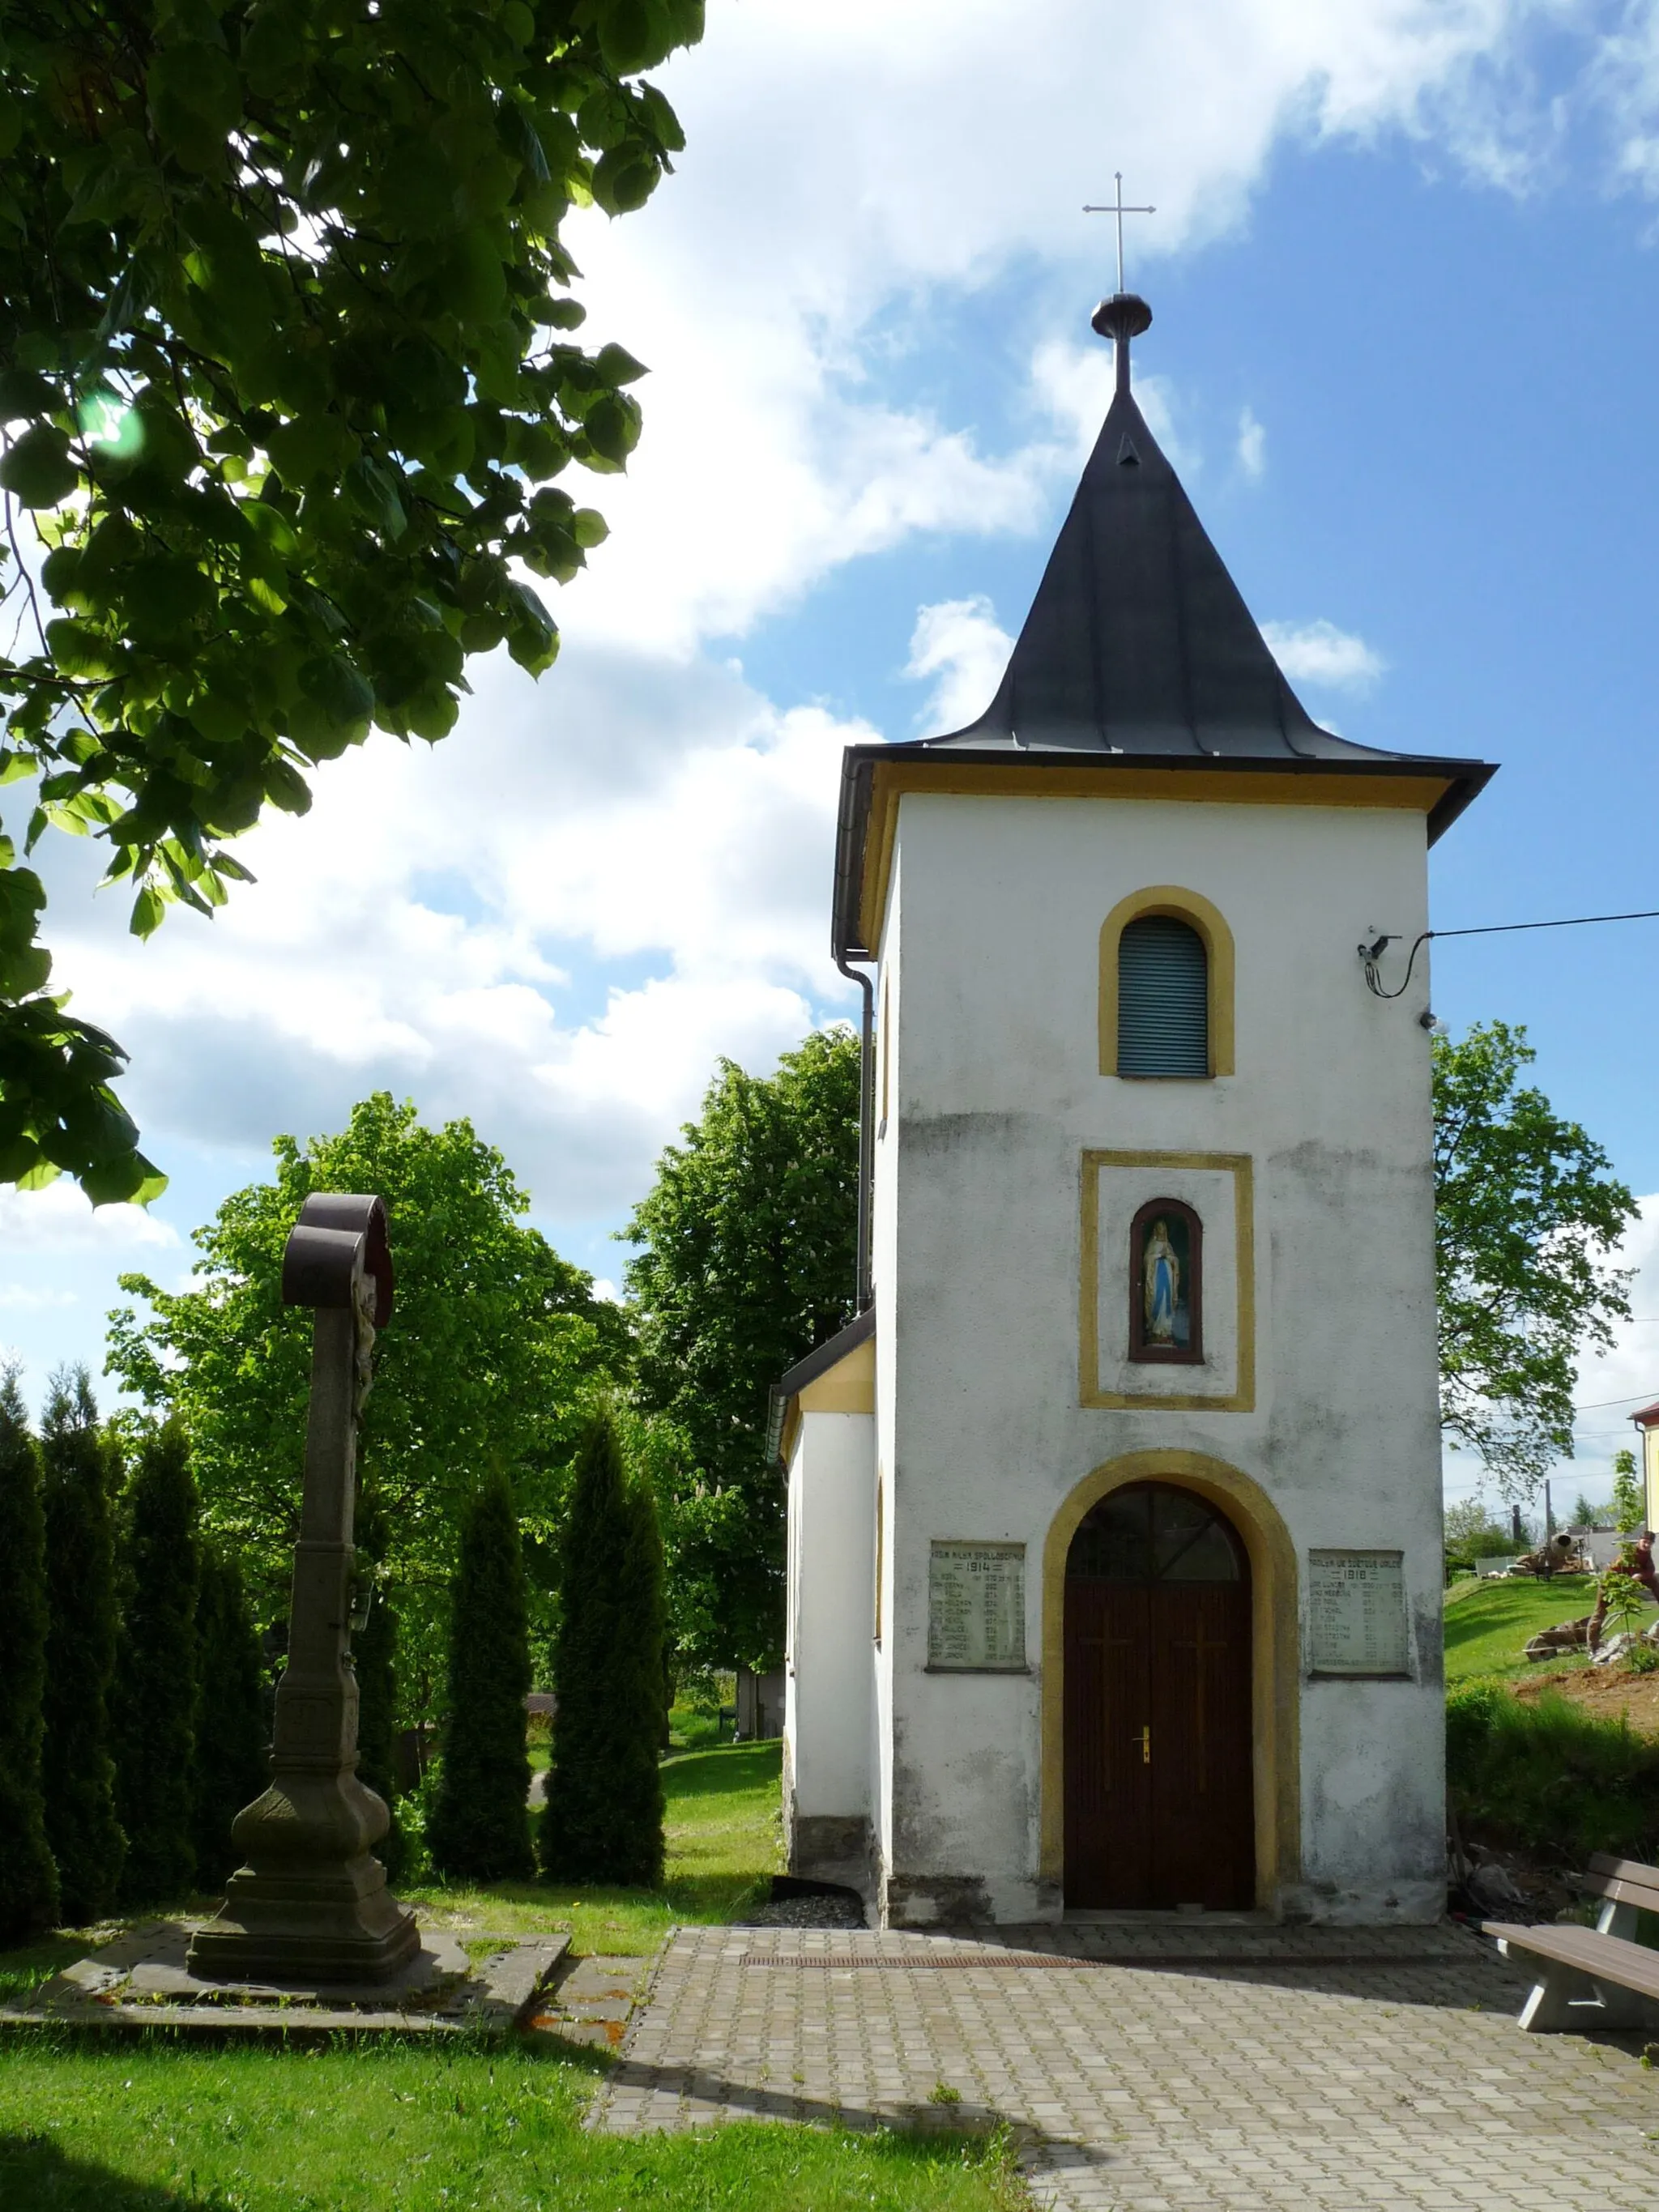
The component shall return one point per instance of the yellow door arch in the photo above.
(1275, 1668)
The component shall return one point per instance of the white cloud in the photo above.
(1612, 1386)
(1252, 445)
(1319, 652)
(837, 170)
(60, 1218)
(558, 919)
(420, 929)
(23, 1297)
(962, 645)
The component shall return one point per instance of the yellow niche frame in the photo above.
(1197, 911)
(1242, 1398)
(1275, 1684)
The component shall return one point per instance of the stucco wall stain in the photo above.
(938, 1134)
(1429, 1635)
(1353, 1800)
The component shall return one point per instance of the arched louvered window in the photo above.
(1163, 999)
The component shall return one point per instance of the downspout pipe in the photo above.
(864, 1289)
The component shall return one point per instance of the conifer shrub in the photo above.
(479, 1829)
(374, 1656)
(230, 1766)
(153, 1698)
(80, 1466)
(29, 1879)
(1549, 1777)
(603, 1817)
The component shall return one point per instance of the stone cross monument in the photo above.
(310, 1902)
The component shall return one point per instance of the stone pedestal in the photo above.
(310, 1902)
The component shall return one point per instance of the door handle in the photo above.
(1146, 1745)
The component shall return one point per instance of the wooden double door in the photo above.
(1159, 1766)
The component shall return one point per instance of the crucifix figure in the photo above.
(1116, 207)
(310, 1902)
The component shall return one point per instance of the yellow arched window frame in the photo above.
(1198, 914)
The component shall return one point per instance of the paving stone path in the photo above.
(1149, 2068)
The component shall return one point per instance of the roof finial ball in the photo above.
(1123, 317)
(1125, 314)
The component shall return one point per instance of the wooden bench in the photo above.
(1594, 1978)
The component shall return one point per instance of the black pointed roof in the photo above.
(1139, 650)
(1138, 640)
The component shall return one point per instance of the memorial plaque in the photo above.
(1356, 1613)
(976, 1609)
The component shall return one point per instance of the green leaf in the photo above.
(623, 180)
(287, 788)
(634, 35)
(124, 1180)
(23, 392)
(612, 424)
(38, 470)
(343, 692)
(617, 365)
(79, 650)
(371, 489)
(194, 100)
(147, 909)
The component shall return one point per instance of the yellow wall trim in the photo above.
(1184, 906)
(1243, 1398)
(848, 1387)
(1275, 1678)
(1418, 794)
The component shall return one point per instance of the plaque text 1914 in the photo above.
(976, 1609)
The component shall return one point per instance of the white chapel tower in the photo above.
(1114, 1544)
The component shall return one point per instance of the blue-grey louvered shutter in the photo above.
(1163, 999)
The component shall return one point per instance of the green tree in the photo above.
(77, 1770)
(493, 1347)
(1472, 1532)
(1526, 1216)
(747, 1262)
(29, 1879)
(1630, 1503)
(286, 375)
(603, 1820)
(374, 1661)
(153, 1700)
(1584, 1514)
(228, 1763)
(479, 1830)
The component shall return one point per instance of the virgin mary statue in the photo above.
(1161, 1271)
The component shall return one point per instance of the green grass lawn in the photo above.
(1488, 1623)
(107, 2127)
(724, 1841)
(93, 2125)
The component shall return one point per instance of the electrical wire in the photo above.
(1371, 954)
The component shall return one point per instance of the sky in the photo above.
(1403, 273)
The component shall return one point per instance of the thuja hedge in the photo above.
(82, 1469)
(1549, 1777)
(229, 1761)
(28, 1878)
(604, 1818)
(153, 1698)
(480, 1826)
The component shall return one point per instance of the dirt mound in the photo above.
(1606, 1691)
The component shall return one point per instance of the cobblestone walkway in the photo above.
(1151, 2068)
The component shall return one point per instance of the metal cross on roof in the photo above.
(1117, 207)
